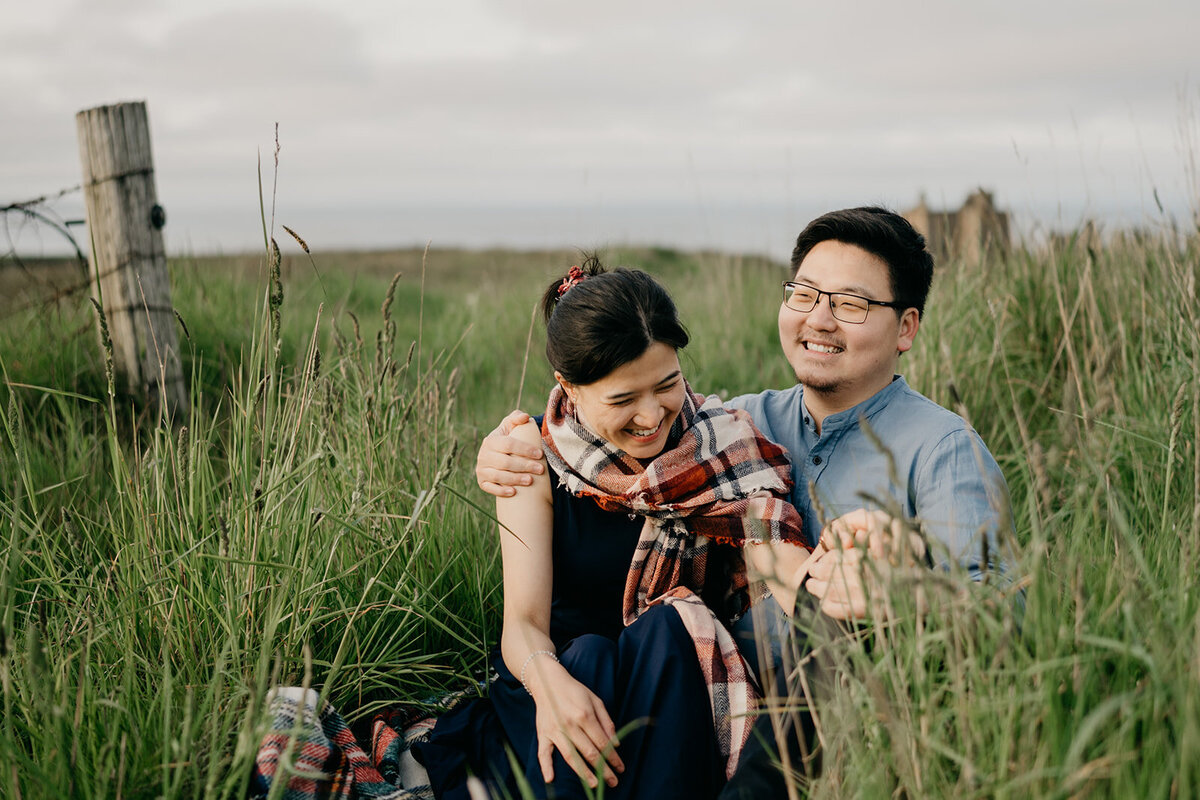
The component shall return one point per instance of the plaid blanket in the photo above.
(717, 479)
(324, 759)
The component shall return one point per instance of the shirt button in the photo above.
(817, 460)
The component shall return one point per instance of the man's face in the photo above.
(841, 364)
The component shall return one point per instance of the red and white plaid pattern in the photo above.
(717, 480)
(328, 763)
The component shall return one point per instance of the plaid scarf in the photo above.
(326, 760)
(717, 479)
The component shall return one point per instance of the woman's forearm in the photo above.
(528, 653)
(783, 566)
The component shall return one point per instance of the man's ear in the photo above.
(910, 321)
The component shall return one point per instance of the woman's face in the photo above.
(634, 406)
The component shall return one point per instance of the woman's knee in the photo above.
(592, 660)
(659, 635)
(656, 620)
(588, 649)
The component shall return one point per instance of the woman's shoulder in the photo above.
(531, 433)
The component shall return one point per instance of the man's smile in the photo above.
(821, 347)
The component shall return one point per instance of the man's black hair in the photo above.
(886, 235)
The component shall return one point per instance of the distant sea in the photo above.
(765, 229)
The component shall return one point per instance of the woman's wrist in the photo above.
(801, 573)
(528, 660)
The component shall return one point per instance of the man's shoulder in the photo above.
(906, 404)
(769, 398)
(897, 411)
(776, 412)
(926, 434)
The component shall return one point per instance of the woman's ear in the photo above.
(567, 386)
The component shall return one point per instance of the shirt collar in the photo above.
(867, 408)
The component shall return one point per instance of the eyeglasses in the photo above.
(849, 308)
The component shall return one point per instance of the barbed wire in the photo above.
(38, 210)
(44, 199)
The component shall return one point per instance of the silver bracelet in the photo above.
(525, 666)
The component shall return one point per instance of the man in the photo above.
(867, 450)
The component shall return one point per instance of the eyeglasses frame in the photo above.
(832, 310)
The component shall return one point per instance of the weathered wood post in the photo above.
(128, 262)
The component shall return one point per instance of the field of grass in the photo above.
(315, 520)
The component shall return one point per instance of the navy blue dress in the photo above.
(645, 674)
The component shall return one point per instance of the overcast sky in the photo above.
(703, 124)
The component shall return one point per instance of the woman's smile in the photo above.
(635, 405)
(646, 434)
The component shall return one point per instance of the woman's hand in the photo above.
(574, 720)
(504, 461)
(784, 566)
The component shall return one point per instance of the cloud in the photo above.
(469, 102)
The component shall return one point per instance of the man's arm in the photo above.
(505, 462)
(963, 505)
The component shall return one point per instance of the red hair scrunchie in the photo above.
(574, 276)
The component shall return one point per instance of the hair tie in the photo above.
(574, 276)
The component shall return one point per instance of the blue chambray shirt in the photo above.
(939, 472)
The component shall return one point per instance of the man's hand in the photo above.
(504, 462)
(843, 580)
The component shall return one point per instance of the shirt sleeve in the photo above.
(962, 501)
(742, 401)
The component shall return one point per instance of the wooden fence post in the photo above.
(128, 262)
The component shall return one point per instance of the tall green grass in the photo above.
(295, 528)
(314, 519)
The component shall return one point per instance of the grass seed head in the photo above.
(315, 371)
(187, 335)
(387, 336)
(275, 296)
(303, 244)
(106, 340)
(223, 541)
(1176, 418)
(386, 308)
(181, 450)
(15, 431)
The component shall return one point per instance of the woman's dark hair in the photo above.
(606, 319)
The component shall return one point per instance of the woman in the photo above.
(622, 571)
